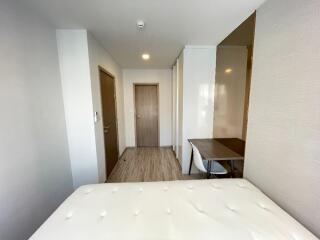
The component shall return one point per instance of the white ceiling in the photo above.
(170, 24)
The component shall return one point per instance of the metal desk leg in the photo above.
(191, 161)
(232, 168)
(209, 169)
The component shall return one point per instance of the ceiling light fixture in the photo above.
(228, 70)
(145, 56)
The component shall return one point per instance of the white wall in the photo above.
(174, 108)
(35, 175)
(230, 91)
(198, 84)
(283, 143)
(77, 96)
(179, 120)
(98, 56)
(164, 78)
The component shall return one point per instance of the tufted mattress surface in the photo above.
(225, 209)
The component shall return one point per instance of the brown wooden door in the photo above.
(146, 103)
(109, 120)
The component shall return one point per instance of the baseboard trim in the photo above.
(124, 151)
(166, 146)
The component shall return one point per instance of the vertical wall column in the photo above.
(174, 108)
(179, 121)
(77, 98)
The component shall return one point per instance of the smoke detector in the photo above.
(140, 25)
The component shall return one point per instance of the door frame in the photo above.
(116, 113)
(135, 109)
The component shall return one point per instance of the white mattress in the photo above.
(201, 209)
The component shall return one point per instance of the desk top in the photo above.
(213, 149)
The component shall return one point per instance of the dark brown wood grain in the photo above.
(211, 149)
(147, 114)
(235, 144)
(108, 101)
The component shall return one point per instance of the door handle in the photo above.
(138, 116)
(106, 129)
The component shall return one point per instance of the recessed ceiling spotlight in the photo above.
(145, 56)
(140, 25)
(228, 70)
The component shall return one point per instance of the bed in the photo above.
(223, 209)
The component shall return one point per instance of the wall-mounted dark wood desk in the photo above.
(219, 149)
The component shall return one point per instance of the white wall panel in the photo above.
(283, 143)
(77, 97)
(198, 84)
(174, 108)
(35, 173)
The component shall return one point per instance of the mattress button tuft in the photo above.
(69, 215)
(190, 187)
(165, 188)
(232, 209)
(241, 185)
(136, 213)
(141, 190)
(168, 211)
(103, 214)
(114, 190)
(88, 190)
(216, 186)
(200, 209)
(261, 205)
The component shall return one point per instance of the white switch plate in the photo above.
(96, 118)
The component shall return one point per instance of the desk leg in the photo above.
(191, 161)
(232, 168)
(209, 169)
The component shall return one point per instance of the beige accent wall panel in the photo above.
(283, 144)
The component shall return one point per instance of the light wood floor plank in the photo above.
(148, 165)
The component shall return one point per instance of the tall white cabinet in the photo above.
(193, 87)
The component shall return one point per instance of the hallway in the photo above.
(148, 165)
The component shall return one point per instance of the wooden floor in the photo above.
(148, 165)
